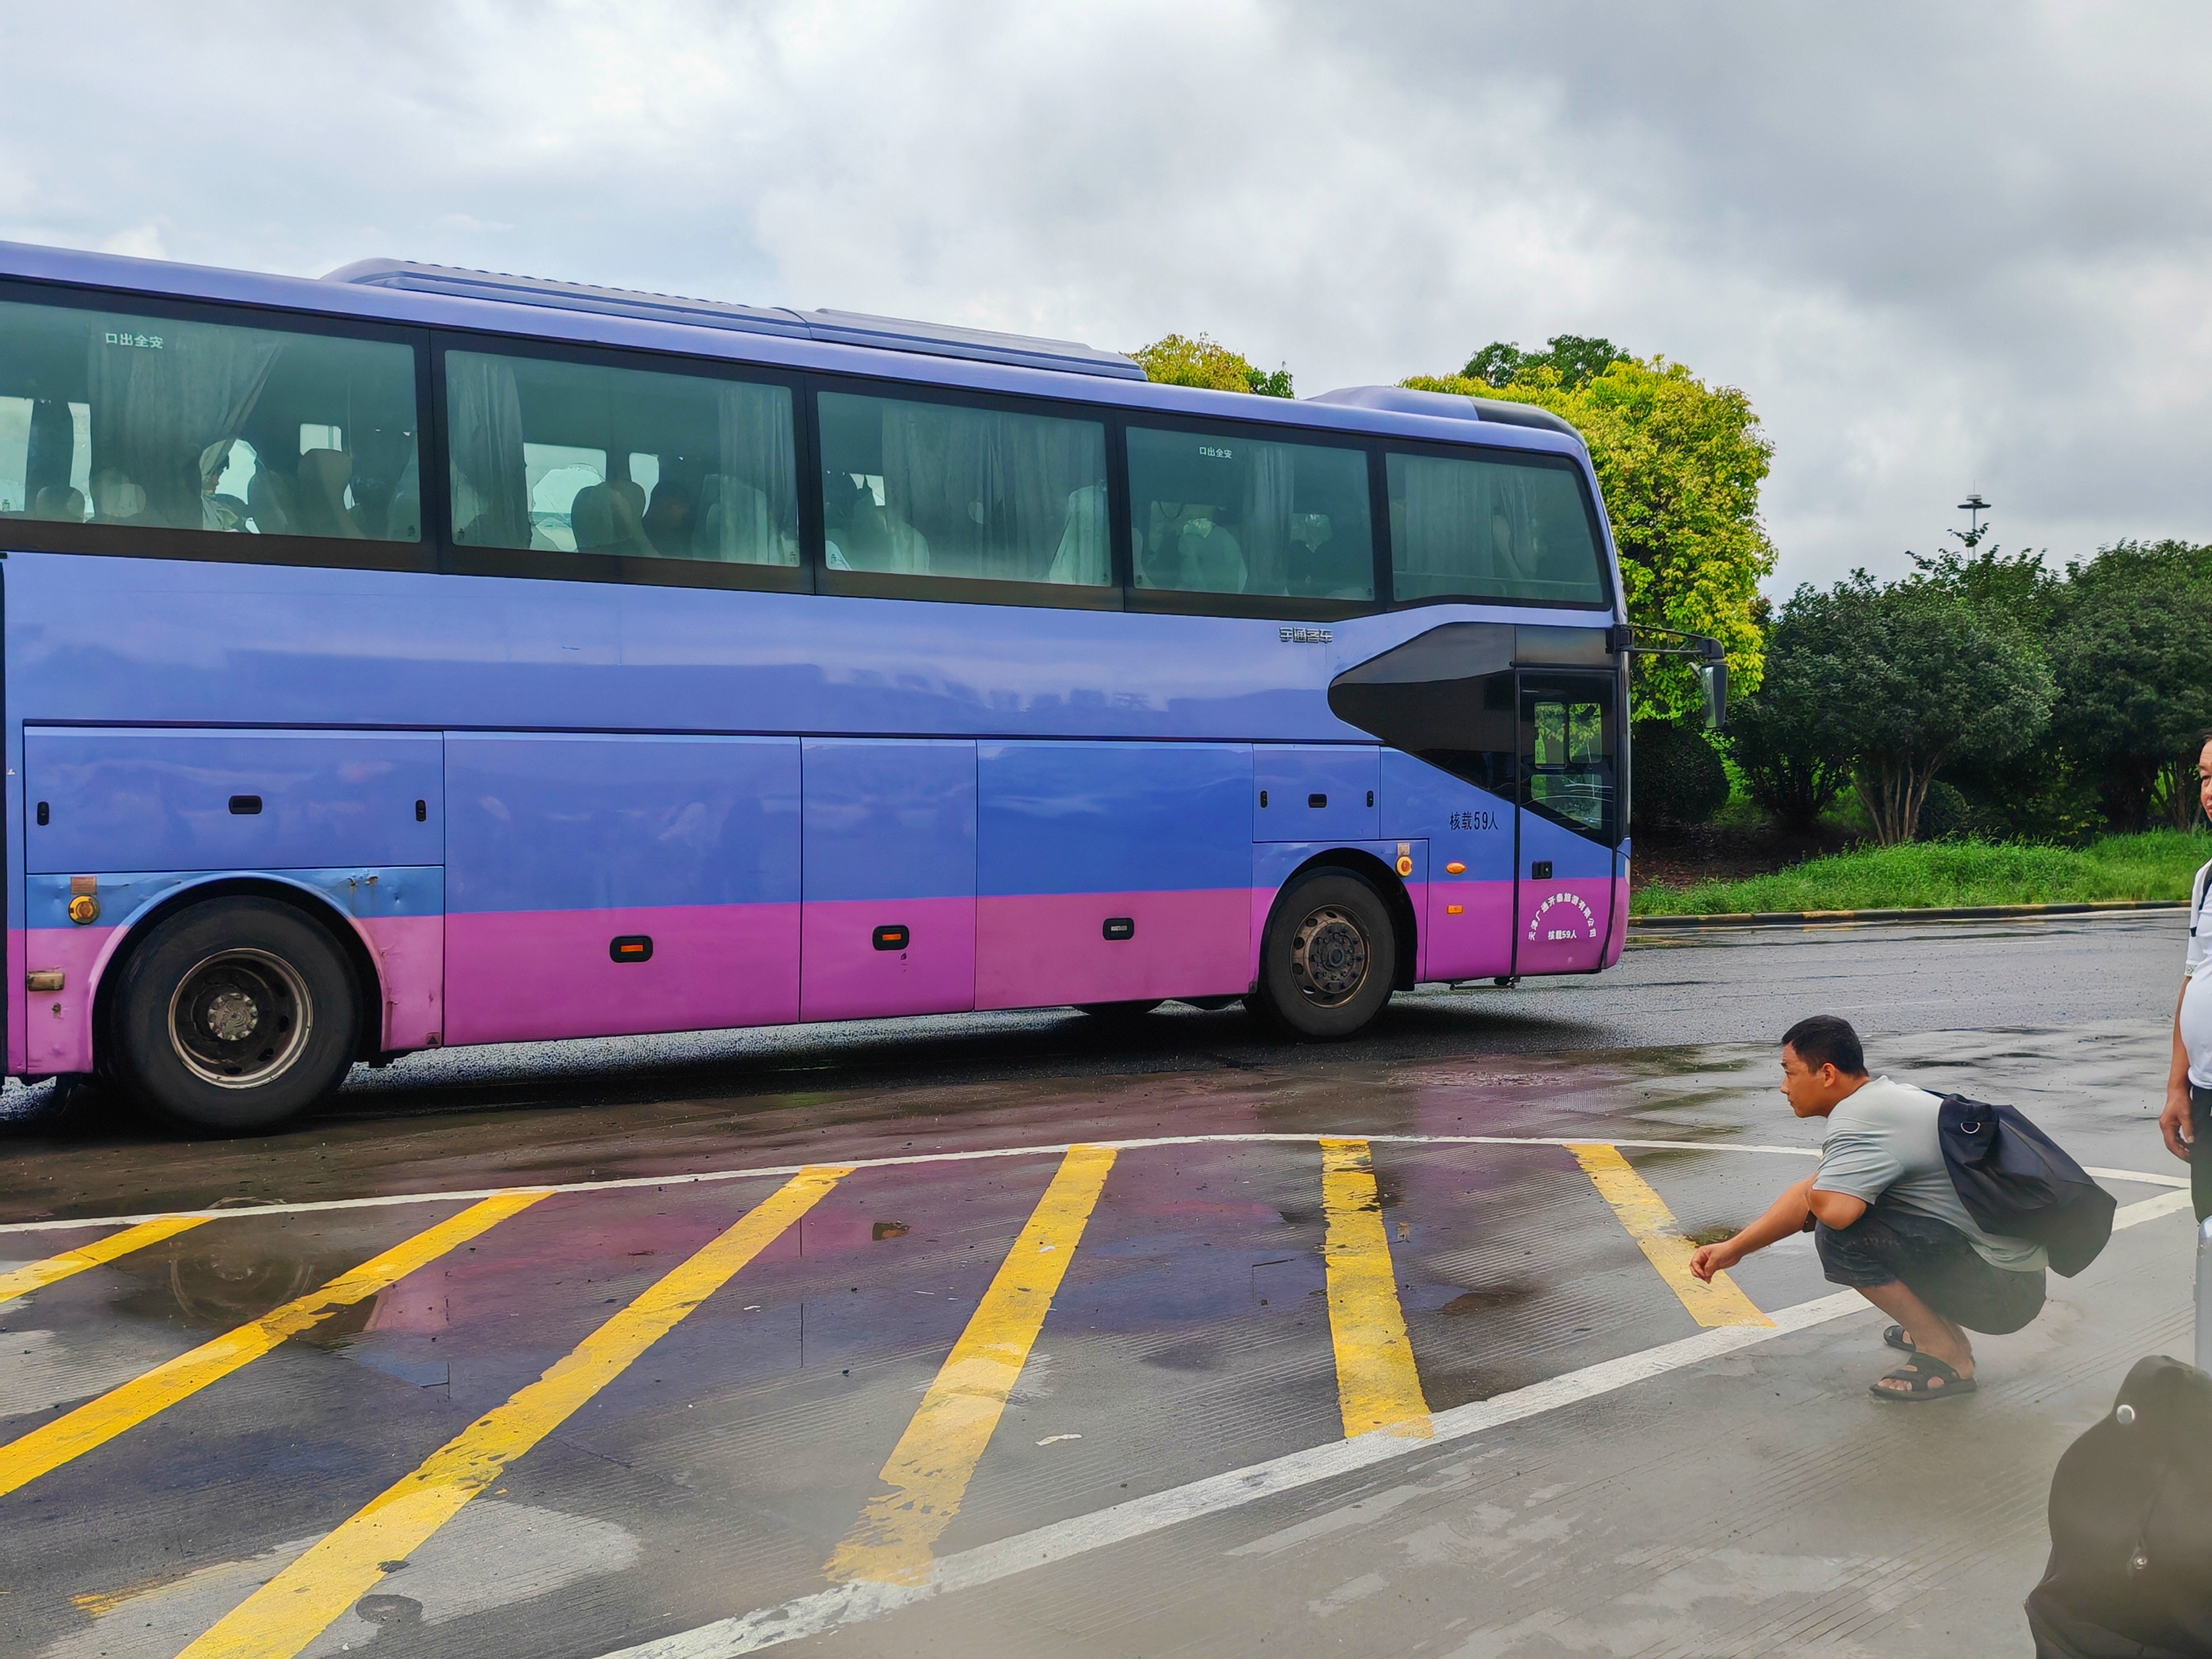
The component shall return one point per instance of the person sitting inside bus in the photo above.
(734, 524)
(60, 502)
(319, 494)
(219, 511)
(608, 518)
(867, 537)
(1888, 1220)
(1189, 549)
(116, 499)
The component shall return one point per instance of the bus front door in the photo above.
(1570, 812)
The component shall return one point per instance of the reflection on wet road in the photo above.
(1202, 1356)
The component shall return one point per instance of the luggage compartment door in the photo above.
(603, 885)
(103, 799)
(1315, 792)
(1112, 871)
(890, 878)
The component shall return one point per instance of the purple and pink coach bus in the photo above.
(417, 656)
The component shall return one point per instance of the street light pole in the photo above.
(1975, 506)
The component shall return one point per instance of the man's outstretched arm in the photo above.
(1793, 1213)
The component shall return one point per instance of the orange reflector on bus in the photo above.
(631, 947)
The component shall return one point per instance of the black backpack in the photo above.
(2015, 1181)
(2131, 1526)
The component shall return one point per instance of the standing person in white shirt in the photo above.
(1888, 1220)
(2189, 1083)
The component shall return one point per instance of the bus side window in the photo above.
(1223, 513)
(584, 458)
(915, 488)
(1496, 527)
(112, 417)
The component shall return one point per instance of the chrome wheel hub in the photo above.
(1328, 957)
(240, 1018)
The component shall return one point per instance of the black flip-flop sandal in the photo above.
(1897, 1339)
(1937, 1382)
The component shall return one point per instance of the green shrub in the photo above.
(2042, 795)
(1948, 814)
(1942, 874)
(1676, 776)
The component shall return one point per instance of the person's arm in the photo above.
(1795, 1212)
(2173, 1122)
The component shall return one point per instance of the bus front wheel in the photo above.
(234, 1014)
(1327, 957)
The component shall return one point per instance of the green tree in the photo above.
(1574, 358)
(1179, 360)
(2051, 795)
(2135, 676)
(2013, 589)
(1917, 680)
(1680, 464)
(1789, 737)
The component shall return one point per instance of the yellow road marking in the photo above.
(36, 1275)
(1377, 1385)
(97, 1421)
(289, 1612)
(929, 1470)
(1659, 1236)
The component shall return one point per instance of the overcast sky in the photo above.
(1940, 247)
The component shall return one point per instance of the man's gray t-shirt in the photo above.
(1882, 1144)
(2196, 989)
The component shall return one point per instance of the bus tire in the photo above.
(234, 1014)
(1119, 1013)
(1327, 957)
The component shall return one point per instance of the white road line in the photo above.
(2144, 1177)
(785, 1171)
(852, 1604)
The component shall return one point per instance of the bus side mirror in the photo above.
(1715, 675)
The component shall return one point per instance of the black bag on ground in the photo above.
(2131, 1572)
(2014, 1179)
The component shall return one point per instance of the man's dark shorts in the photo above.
(1933, 1259)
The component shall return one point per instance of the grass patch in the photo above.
(1935, 875)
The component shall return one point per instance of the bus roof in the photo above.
(428, 295)
(843, 327)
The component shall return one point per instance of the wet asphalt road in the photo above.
(1752, 1501)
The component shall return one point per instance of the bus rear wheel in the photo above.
(234, 1014)
(1327, 957)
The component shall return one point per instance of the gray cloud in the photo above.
(1938, 247)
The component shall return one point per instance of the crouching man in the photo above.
(1888, 1220)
